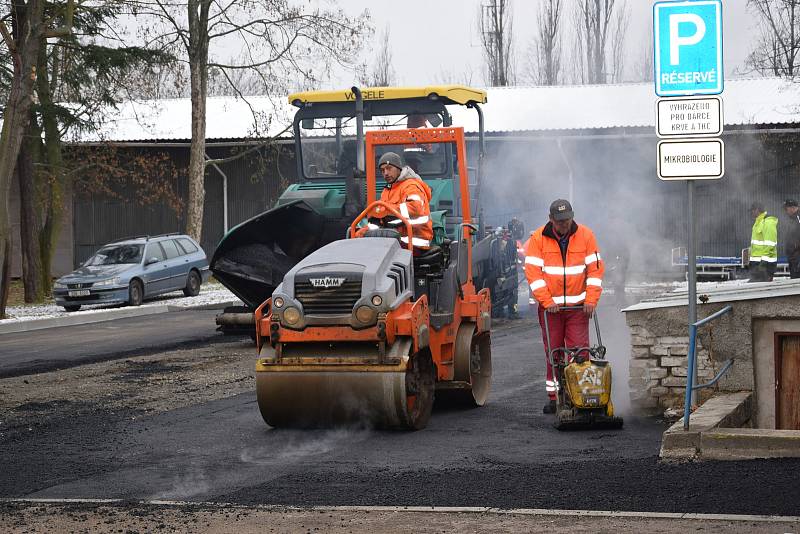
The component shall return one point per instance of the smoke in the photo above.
(610, 178)
(301, 445)
(185, 487)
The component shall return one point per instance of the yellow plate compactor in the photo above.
(583, 384)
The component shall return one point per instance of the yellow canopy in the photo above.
(451, 94)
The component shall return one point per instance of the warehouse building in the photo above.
(595, 145)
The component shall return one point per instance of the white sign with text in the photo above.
(691, 159)
(689, 117)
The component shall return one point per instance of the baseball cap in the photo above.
(561, 209)
(790, 203)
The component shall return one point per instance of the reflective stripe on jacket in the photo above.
(764, 240)
(411, 197)
(566, 281)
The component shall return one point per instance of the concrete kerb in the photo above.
(715, 434)
(105, 315)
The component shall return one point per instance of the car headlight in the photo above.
(107, 283)
(59, 285)
(291, 316)
(366, 314)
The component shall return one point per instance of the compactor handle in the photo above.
(392, 211)
(600, 347)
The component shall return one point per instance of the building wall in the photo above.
(609, 175)
(659, 347)
(253, 186)
(62, 259)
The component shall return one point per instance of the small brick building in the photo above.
(756, 334)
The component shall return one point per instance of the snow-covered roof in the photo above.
(717, 292)
(509, 109)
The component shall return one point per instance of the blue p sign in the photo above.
(688, 47)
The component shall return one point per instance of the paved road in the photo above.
(67, 346)
(503, 455)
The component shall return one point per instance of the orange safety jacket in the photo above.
(411, 197)
(567, 280)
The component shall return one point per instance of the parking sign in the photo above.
(688, 47)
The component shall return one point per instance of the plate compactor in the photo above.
(583, 384)
(366, 330)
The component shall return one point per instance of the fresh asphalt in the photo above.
(67, 346)
(504, 455)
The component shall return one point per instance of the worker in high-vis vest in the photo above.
(406, 192)
(763, 244)
(564, 269)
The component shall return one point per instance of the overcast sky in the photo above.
(429, 37)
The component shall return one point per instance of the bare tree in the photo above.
(543, 64)
(284, 44)
(496, 31)
(31, 23)
(382, 73)
(777, 46)
(600, 29)
(644, 68)
(452, 77)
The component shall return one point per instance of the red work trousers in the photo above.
(567, 329)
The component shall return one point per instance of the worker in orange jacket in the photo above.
(563, 268)
(408, 194)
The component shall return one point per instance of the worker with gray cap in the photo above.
(763, 244)
(792, 210)
(564, 269)
(410, 196)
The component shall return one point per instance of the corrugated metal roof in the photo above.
(510, 109)
(722, 292)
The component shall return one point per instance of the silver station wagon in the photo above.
(134, 269)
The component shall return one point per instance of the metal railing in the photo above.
(690, 387)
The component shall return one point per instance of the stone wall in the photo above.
(659, 347)
(658, 369)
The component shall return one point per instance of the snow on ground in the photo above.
(210, 293)
(705, 286)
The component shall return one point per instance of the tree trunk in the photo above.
(198, 70)
(29, 225)
(15, 120)
(55, 186)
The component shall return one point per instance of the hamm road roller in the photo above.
(330, 190)
(364, 330)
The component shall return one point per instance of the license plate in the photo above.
(79, 293)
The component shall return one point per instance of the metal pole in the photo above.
(571, 181)
(692, 253)
(689, 397)
(224, 196)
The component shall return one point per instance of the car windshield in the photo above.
(116, 254)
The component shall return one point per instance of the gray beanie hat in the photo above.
(390, 158)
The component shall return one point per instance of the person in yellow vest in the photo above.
(763, 244)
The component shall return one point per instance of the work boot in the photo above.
(550, 407)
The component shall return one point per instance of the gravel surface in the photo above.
(132, 519)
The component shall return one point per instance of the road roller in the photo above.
(365, 331)
(329, 189)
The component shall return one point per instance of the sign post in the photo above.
(688, 62)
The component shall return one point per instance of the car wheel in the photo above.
(135, 293)
(72, 307)
(192, 288)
